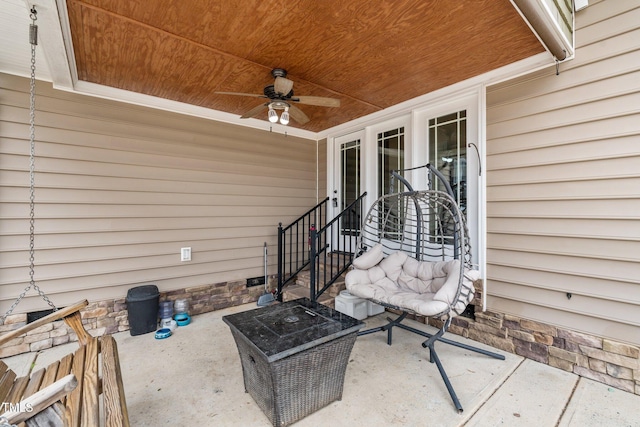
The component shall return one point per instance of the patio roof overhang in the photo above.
(372, 57)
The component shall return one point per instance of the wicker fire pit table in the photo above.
(294, 356)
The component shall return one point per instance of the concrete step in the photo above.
(292, 292)
(303, 280)
(334, 265)
(305, 274)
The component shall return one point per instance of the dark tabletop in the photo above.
(280, 330)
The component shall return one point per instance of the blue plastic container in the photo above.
(166, 310)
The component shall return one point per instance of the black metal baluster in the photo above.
(280, 262)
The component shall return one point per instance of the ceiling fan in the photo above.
(281, 97)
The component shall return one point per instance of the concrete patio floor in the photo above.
(194, 378)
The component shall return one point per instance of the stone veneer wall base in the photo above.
(110, 316)
(613, 363)
(610, 362)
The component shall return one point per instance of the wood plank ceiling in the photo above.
(369, 54)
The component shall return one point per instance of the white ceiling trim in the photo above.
(135, 98)
(525, 66)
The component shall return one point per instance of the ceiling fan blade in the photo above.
(253, 95)
(283, 85)
(254, 111)
(317, 100)
(297, 115)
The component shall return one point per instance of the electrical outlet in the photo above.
(185, 254)
(580, 4)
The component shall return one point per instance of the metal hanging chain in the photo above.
(33, 39)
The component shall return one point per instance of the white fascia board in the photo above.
(50, 35)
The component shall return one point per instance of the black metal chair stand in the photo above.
(430, 344)
(416, 258)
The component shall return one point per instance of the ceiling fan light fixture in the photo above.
(273, 116)
(284, 118)
(280, 97)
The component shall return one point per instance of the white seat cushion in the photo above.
(369, 258)
(426, 288)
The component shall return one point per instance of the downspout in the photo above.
(534, 13)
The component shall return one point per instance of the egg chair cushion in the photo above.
(423, 287)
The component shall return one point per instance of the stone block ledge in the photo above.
(601, 359)
(111, 316)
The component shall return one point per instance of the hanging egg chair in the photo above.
(415, 257)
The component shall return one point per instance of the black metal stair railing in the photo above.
(294, 243)
(333, 247)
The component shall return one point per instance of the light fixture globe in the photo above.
(284, 118)
(273, 116)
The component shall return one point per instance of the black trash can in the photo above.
(142, 309)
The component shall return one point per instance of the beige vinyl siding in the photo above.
(563, 183)
(121, 188)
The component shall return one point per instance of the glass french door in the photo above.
(447, 136)
(448, 153)
(348, 186)
(363, 161)
(391, 158)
